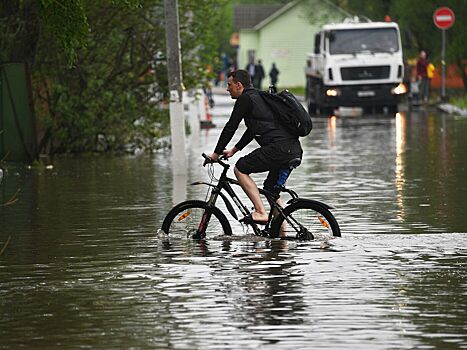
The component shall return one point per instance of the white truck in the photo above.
(355, 64)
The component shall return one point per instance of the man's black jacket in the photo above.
(259, 121)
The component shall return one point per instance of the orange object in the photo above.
(323, 222)
(184, 215)
(453, 78)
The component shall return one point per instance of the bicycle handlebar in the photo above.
(219, 160)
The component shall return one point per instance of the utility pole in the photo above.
(177, 121)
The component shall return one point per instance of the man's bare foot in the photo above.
(261, 217)
(283, 230)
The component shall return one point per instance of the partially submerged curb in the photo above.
(451, 109)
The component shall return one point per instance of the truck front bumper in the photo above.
(363, 95)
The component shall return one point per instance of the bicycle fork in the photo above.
(204, 222)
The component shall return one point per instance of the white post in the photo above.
(177, 121)
(179, 188)
(177, 133)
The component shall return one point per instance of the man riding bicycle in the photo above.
(277, 146)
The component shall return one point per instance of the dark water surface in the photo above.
(84, 266)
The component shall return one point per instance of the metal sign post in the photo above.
(443, 64)
(443, 18)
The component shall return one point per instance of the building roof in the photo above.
(256, 16)
(248, 16)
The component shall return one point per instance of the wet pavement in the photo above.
(84, 267)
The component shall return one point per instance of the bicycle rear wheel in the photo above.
(305, 217)
(185, 218)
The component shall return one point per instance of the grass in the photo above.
(296, 90)
(460, 102)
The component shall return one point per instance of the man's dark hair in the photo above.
(240, 76)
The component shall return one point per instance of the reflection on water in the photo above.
(84, 267)
(400, 149)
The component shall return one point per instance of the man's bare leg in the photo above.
(251, 190)
(283, 229)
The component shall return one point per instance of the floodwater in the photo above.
(82, 264)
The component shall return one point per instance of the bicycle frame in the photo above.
(225, 183)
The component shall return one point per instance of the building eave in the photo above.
(276, 14)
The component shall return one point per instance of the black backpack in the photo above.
(288, 111)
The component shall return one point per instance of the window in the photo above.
(350, 41)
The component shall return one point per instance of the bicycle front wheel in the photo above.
(186, 218)
(303, 218)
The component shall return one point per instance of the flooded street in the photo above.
(84, 266)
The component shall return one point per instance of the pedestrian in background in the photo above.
(422, 76)
(414, 91)
(251, 69)
(273, 74)
(225, 68)
(259, 75)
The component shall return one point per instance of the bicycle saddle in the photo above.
(294, 163)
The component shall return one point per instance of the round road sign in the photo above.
(443, 18)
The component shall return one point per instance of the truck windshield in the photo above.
(351, 41)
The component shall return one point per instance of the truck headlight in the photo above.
(333, 92)
(399, 89)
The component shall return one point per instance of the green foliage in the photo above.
(199, 23)
(66, 23)
(107, 88)
(99, 66)
(460, 102)
(296, 90)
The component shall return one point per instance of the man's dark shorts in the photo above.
(270, 158)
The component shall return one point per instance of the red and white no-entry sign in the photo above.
(443, 18)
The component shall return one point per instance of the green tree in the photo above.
(98, 66)
(107, 87)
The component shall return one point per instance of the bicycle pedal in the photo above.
(196, 235)
(305, 236)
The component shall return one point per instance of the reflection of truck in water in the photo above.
(355, 64)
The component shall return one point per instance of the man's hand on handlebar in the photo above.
(212, 159)
(230, 152)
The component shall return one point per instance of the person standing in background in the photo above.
(422, 64)
(225, 67)
(251, 69)
(273, 74)
(259, 75)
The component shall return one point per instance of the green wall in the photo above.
(17, 129)
(248, 41)
(287, 39)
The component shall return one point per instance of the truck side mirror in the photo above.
(317, 43)
(407, 40)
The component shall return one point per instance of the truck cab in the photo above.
(355, 64)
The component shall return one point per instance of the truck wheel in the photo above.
(393, 109)
(326, 111)
(311, 108)
(379, 109)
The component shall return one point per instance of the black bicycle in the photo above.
(300, 219)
